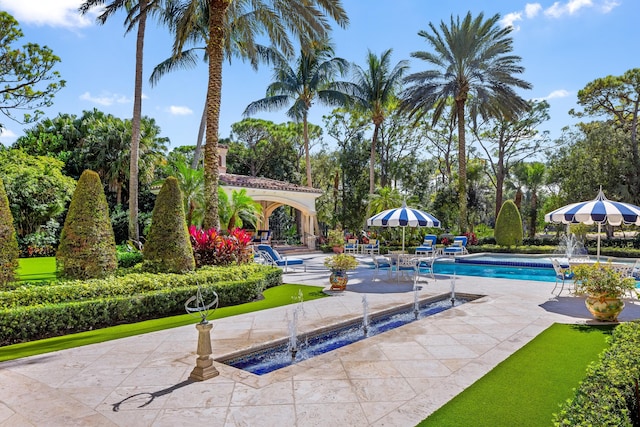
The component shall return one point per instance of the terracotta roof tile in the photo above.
(234, 180)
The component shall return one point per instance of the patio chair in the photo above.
(405, 264)
(380, 262)
(351, 247)
(371, 248)
(273, 257)
(563, 274)
(458, 247)
(263, 237)
(425, 266)
(428, 245)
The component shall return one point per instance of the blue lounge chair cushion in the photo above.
(277, 258)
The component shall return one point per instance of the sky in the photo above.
(564, 45)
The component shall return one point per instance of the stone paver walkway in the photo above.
(393, 379)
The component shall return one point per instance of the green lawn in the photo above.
(528, 387)
(273, 297)
(39, 268)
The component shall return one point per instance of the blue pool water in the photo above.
(540, 274)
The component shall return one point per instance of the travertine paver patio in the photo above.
(393, 379)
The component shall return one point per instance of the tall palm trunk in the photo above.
(462, 166)
(134, 233)
(215, 48)
(372, 160)
(307, 158)
(198, 151)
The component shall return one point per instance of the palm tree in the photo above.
(377, 87)
(136, 14)
(274, 19)
(191, 182)
(171, 15)
(239, 209)
(385, 198)
(313, 77)
(472, 63)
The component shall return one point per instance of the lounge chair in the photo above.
(273, 257)
(563, 274)
(371, 248)
(351, 247)
(458, 247)
(428, 245)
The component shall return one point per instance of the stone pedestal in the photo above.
(204, 364)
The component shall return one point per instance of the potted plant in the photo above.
(335, 239)
(339, 264)
(604, 287)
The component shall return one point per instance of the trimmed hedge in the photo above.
(9, 250)
(508, 229)
(608, 396)
(35, 312)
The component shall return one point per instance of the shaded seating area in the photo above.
(371, 248)
(262, 236)
(272, 257)
(458, 247)
(351, 247)
(428, 245)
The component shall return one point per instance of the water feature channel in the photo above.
(298, 347)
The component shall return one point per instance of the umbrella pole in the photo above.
(598, 253)
(403, 239)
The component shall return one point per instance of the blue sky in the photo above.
(563, 45)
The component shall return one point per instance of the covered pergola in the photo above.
(272, 194)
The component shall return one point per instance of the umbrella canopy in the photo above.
(403, 217)
(597, 211)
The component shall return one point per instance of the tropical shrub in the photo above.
(167, 249)
(87, 247)
(608, 396)
(41, 243)
(508, 230)
(9, 251)
(210, 247)
(128, 256)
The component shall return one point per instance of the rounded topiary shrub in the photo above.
(87, 247)
(9, 251)
(508, 231)
(168, 248)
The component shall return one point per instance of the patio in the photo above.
(396, 378)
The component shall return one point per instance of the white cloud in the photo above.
(531, 10)
(106, 98)
(510, 18)
(55, 13)
(609, 5)
(7, 133)
(557, 10)
(560, 93)
(177, 110)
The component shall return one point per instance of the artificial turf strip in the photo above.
(273, 297)
(527, 388)
(38, 268)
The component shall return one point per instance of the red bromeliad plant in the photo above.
(210, 247)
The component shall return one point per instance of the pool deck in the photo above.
(396, 378)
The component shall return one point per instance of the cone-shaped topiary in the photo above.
(508, 231)
(168, 248)
(87, 246)
(9, 251)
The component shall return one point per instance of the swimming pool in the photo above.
(507, 266)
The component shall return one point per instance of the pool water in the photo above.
(540, 274)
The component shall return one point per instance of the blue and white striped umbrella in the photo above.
(597, 211)
(403, 217)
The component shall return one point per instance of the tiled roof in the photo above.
(234, 180)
